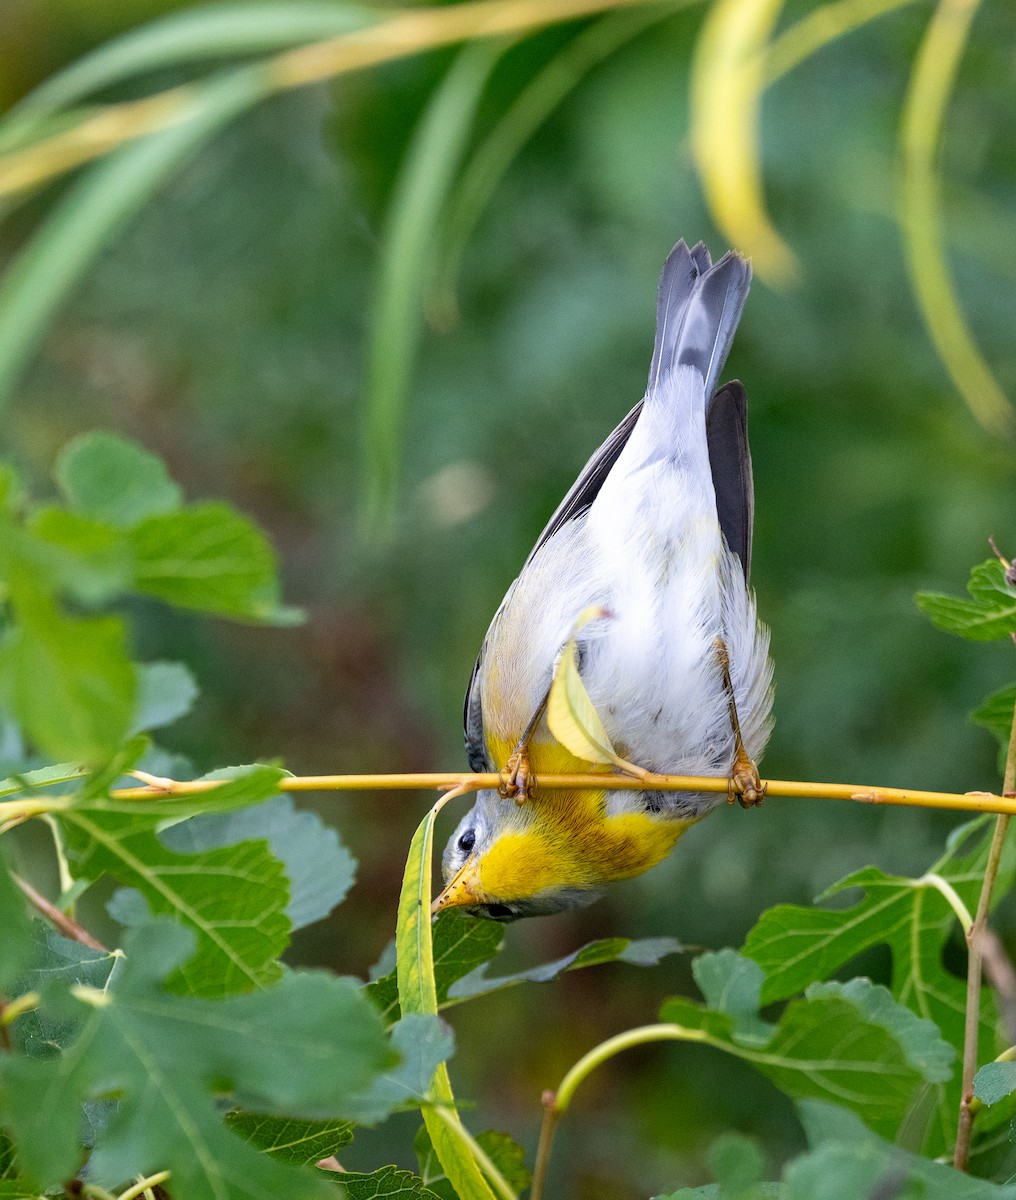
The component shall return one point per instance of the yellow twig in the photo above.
(972, 802)
(401, 35)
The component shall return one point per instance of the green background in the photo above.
(225, 328)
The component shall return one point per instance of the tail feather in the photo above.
(697, 311)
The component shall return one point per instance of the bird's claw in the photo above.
(518, 783)
(744, 784)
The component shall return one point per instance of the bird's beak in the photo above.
(462, 890)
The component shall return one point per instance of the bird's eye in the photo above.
(499, 912)
(467, 841)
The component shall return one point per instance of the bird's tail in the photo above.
(697, 311)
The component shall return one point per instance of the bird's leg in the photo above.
(517, 781)
(744, 782)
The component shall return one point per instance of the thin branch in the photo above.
(975, 960)
(972, 802)
(66, 926)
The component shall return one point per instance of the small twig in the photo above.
(144, 1185)
(975, 959)
(66, 926)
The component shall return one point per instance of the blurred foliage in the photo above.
(226, 319)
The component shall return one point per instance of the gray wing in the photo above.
(730, 461)
(580, 496)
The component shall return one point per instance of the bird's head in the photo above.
(504, 862)
(508, 860)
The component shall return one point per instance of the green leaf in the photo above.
(646, 952)
(848, 1043)
(990, 612)
(77, 555)
(166, 692)
(423, 1043)
(69, 681)
(234, 899)
(996, 714)
(57, 962)
(994, 1081)
(290, 1140)
(319, 868)
(505, 1153)
(732, 985)
(737, 1165)
(418, 994)
(387, 1183)
(115, 481)
(207, 557)
(303, 1046)
(796, 946)
(15, 930)
(407, 249)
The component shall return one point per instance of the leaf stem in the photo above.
(556, 1103)
(975, 960)
(62, 922)
(143, 1185)
(953, 898)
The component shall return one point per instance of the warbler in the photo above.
(656, 534)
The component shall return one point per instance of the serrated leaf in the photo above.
(996, 714)
(319, 868)
(166, 692)
(69, 681)
(732, 984)
(423, 1043)
(571, 714)
(796, 946)
(234, 899)
(207, 557)
(56, 962)
(79, 556)
(852, 1044)
(291, 1140)
(994, 1081)
(386, 1183)
(737, 1164)
(644, 953)
(114, 480)
(304, 1045)
(990, 612)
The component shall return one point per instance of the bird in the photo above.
(654, 539)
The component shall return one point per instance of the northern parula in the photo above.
(656, 532)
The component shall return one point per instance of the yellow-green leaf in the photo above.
(572, 718)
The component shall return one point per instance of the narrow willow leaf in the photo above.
(572, 718)
(728, 78)
(225, 31)
(536, 102)
(989, 614)
(932, 82)
(418, 994)
(406, 258)
(91, 211)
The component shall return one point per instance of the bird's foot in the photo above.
(518, 783)
(744, 784)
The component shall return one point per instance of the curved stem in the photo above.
(143, 1185)
(975, 960)
(555, 1103)
(953, 898)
